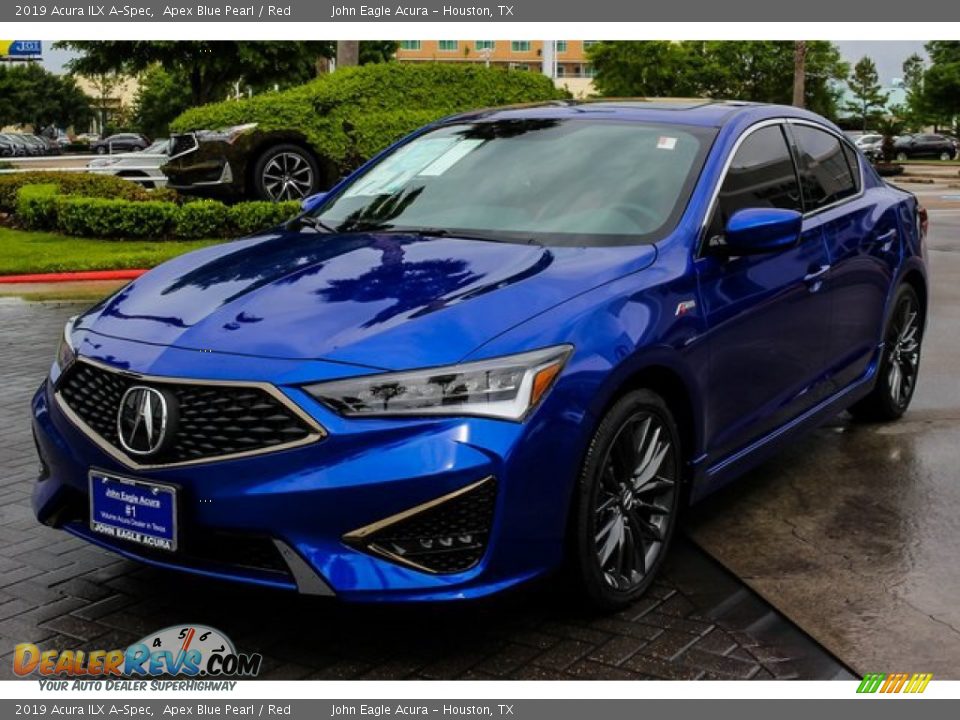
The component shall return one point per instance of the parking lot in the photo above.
(849, 537)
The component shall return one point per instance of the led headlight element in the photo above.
(505, 387)
(66, 353)
(229, 134)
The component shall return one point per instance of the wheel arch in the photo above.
(915, 279)
(328, 169)
(665, 374)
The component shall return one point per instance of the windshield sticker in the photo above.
(666, 143)
(422, 157)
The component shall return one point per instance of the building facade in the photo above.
(572, 69)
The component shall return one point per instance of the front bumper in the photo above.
(204, 167)
(290, 519)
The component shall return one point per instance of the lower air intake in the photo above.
(446, 535)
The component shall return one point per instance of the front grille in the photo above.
(211, 420)
(446, 536)
(183, 144)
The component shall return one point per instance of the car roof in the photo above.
(680, 111)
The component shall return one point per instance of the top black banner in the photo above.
(299, 11)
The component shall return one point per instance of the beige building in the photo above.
(112, 97)
(572, 69)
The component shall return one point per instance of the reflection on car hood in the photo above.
(383, 300)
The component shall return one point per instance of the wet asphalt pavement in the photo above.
(854, 532)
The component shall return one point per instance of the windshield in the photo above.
(570, 182)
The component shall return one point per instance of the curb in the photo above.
(71, 276)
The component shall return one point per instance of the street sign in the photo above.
(20, 49)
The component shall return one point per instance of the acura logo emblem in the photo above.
(142, 420)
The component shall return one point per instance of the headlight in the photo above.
(505, 387)
(65, 351)
(229, 134)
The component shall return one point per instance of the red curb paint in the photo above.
(72, 276)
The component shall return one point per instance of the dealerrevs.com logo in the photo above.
(179, 650)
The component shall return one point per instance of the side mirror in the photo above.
(311, 202)
(762, 230)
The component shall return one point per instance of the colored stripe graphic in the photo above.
(894, 683)
(871, 682)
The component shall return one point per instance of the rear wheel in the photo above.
(286, 172)
(901, 156)
(899, 364)
(627, 501)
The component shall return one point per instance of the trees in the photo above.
(31, 95)
(916, 114)
(941, 83)
(161, 96)
(209, 68)
(761, 71)
(869, 100)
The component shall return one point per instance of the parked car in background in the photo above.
(909, 147)
(32, 147)
(9, 147)
(143, 167)
(121, 142)
(288, 145)
(521, 339)
(869, 141)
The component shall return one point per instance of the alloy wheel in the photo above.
(635, 501)
(903, 359)
(287, 176)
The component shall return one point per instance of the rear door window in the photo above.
(825, 172)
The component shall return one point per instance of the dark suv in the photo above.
(122, 142)
(908, 147)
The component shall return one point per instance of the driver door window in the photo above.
(761, 175)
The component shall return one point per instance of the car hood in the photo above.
(381, 300)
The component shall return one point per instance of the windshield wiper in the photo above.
(464, 235)
(315, 223)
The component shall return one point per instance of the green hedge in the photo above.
(36, 206)
(83, 184)
(247, 218)
(40, 207)
(351, 114)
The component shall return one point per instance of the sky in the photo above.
(888, 55)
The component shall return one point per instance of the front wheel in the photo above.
(901, 156)
(286, 172)
(627, 501)
(899, 364)
(946, 156)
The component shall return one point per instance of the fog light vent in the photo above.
(446, 535)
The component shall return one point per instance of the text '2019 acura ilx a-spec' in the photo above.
(518, 340)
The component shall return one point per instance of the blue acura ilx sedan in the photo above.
(520, 339)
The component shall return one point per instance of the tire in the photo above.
(902, 156)
(946, 156)
(285, 172)
(101, 150)
(626, 502)
(899, 364)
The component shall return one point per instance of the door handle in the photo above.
(816, 274)
(815, 279)
(887, 239)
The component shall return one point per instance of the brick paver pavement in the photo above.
(57, 591)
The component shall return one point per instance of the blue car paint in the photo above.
(759, 359)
